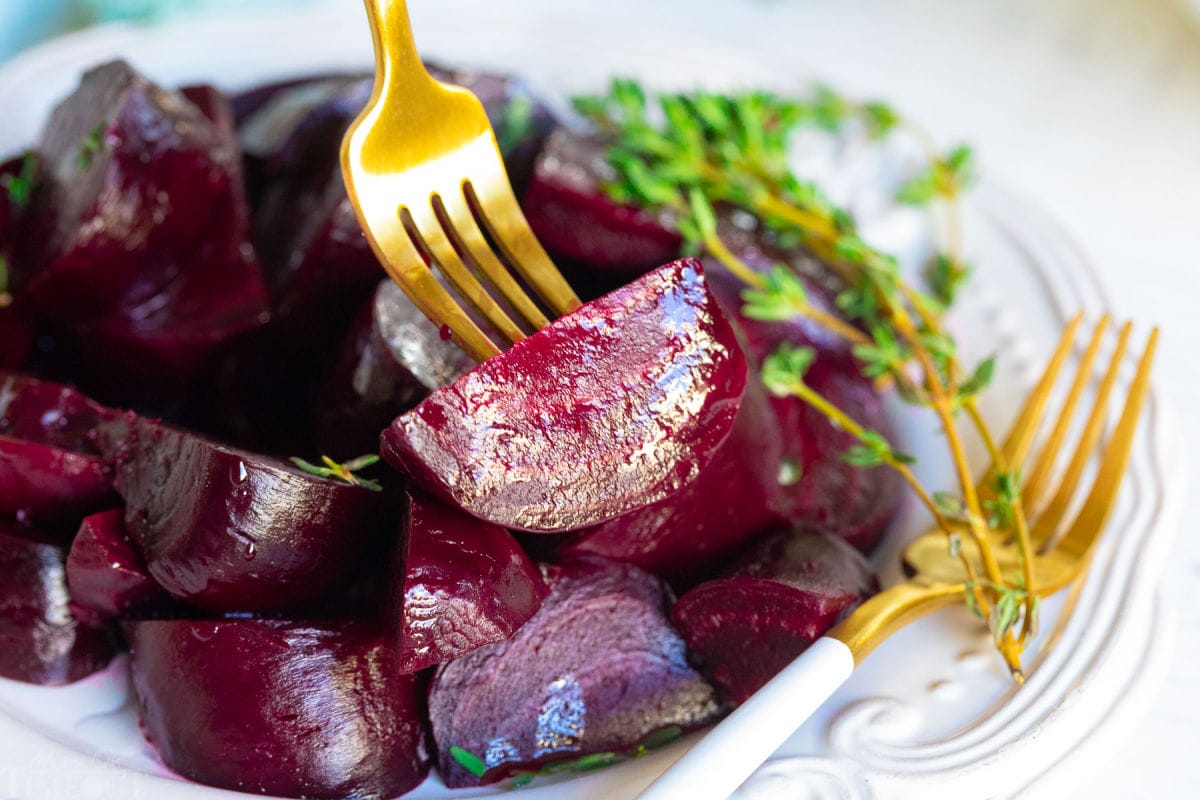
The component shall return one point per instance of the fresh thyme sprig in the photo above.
(705, 150)
(342, 472)
(91, 147)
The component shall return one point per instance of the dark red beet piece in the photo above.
(228, 530)
(106, 575)
(146, 255)
(391, 360)
(615, 406)
(691, 534)
(286, 709)
(597, 669)
(467, 584)
(41, 641)
(568, 210)
(50, 472)
(783, 594)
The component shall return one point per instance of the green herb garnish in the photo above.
(469, 761)
(5, 297)
(517, 123)
(92, 144)
(342, 472)
(19, 187)
(703, 150)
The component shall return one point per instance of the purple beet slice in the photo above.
(50, 471)
(228, 530)
(106, 575)
(615, 406)
(392, 359)
(573, 217)
(690, 535)
(784, 593)
(467, 584)
(41, 641)
(286, 709)
(597, 670)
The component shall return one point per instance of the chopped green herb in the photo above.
(5, 297)
(662, 737)
(517, 123)
(342, 472)
(468, 761)
(20, 186)
(946, 277)
(92, 144)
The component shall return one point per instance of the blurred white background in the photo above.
(1090, 106)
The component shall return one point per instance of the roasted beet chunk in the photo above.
(467, 584)
(49, 469)
(391, 360)
(41, 641)
(690, 535)
(788, 590)
(107, 577)
(228, 530)
(148, 228)
(597, 670)
(280, 708)
(570, 213)
(613, 407)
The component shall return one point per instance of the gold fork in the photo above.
(731, 751)
(425, 175)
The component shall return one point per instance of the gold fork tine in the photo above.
(433, 239)
(465, 232)
(1024, 429)
(1049, 520)
(1036, 484)
(427, 293)
(490, 195)
(1101, 500)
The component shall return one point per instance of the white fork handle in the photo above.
(730, 753)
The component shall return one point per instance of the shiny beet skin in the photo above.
(286, 709)
(41, 641)
(228, 530)
(50, 471)
(690, 535)
(467, 584)
(597, 669)
(106, 575)
(612, 407)
(784, 593)
(392, 359)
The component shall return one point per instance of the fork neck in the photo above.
(397, 61)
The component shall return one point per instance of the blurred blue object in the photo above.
(26, 22)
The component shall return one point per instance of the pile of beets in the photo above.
(188, 300)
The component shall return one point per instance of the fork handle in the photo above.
(395, 48)
(730, 753)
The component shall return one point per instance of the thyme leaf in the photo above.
(342, 472)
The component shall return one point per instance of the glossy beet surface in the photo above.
(392, 359)
(228, 530)
(280, 708)
(146, 226)
(783, 594)
(50, 471)
(612, 407)
(690, 535)
(568, 210)
(41, 641)
(467, 584)
(597, 669)
(106, 575)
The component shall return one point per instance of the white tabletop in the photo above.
(1092, 107)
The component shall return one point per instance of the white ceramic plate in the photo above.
(931, 713)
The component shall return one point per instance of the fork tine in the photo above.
(1038, 480)
(492, 199)
(1050, 519)
(1020, 436)
(404, 264)
(465, 232)
(1101, 500)
(429, 235)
